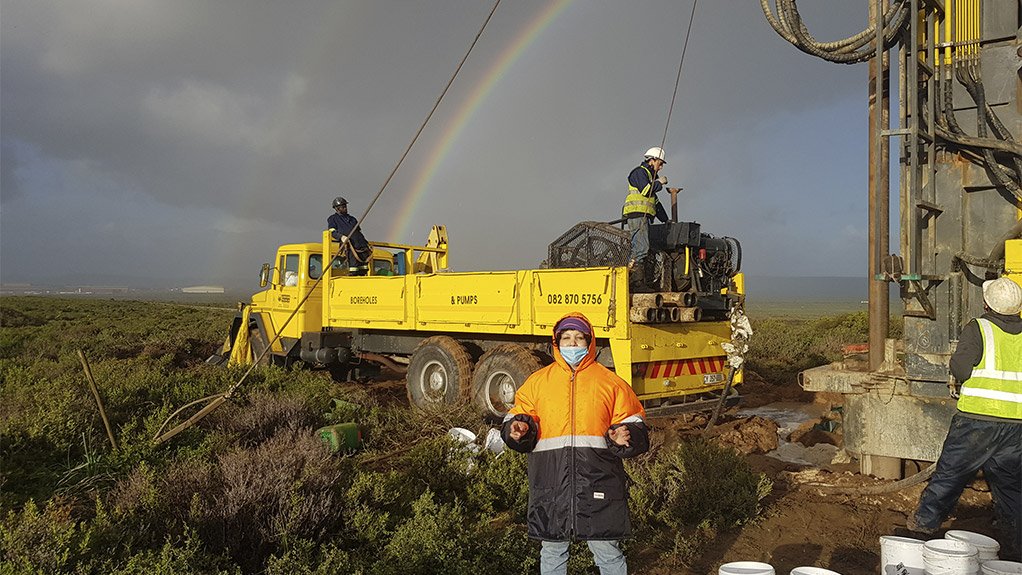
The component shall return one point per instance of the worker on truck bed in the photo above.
(986, 432)
(357, 250)
(641, 205)
(576, 419)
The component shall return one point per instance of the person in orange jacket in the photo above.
(577, 420)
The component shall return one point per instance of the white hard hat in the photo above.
(1003, 296)
(656, 154)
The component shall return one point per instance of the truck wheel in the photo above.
(440, 371)
(498, 375)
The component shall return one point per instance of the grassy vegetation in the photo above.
(782, 346)
(252, 490)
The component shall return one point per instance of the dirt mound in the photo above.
(749, 435)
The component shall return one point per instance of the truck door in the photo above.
(288, 295)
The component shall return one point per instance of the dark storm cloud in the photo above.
(246, 118)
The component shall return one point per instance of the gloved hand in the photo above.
(344, 239)
(662, 180)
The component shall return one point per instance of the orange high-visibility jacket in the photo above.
(577, 481)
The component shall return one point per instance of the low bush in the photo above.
(251, 489)
(690, 490)
(781, 348)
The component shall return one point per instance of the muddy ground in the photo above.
(801, 525)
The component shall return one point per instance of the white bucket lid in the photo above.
(746, 568)
(949, 548)
(998, 567)
(813, 571)
(982, 542)
(900, 540)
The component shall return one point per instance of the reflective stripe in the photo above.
(637, 203)
(992, 394)
(997, 374)
(593, 441)
(989, 351)
(633, 419)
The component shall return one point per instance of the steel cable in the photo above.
(677, 81)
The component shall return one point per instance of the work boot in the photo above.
(916, 531)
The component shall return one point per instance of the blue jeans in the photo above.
(553, 558)
(639, 227)
(971, 445)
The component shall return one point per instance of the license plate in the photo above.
(711, 378)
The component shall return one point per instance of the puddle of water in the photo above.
(789, 417)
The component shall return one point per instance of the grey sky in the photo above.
(181, 142)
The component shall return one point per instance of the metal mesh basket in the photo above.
(590, 244)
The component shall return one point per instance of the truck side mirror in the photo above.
(264, 275)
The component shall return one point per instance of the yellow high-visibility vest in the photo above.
(995, 387)
(640, 201)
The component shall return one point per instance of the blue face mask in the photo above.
(573, 355)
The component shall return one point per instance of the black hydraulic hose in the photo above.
(877, 489)
(788, 24)
(990, 117)
(968, 78)
(1014, 233)
(943, 130)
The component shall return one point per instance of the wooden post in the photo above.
(99, 402)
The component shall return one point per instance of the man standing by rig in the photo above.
(357, 250)
(641, 205)
(986, 432)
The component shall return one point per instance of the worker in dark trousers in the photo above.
(357, 250)
(641, 205)
(986, 432)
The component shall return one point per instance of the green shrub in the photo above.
(692, 489)
(781, 348)
(39, 541)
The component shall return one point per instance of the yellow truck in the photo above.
(476, 336)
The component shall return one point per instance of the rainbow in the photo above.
(453, 128)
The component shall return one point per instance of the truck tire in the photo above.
(440, 371)
(498, 375)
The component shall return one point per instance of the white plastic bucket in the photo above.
(1001, 568)
(950, 557)
(745, 568)
(901, 556)
(813, 571)
(461, 434)
(987, 546)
